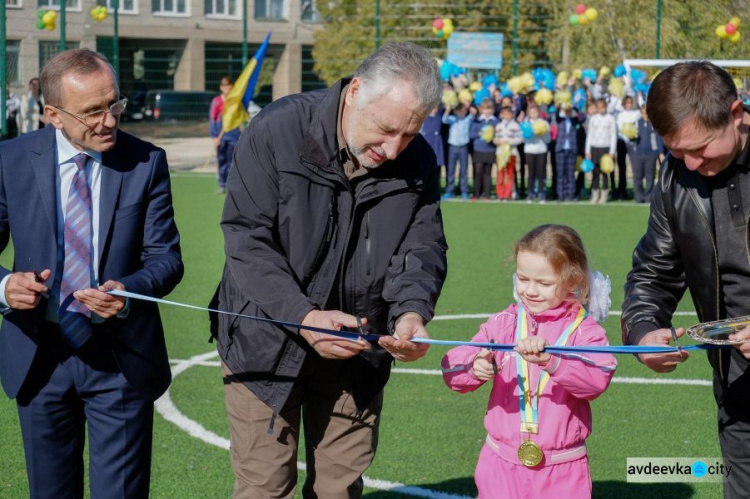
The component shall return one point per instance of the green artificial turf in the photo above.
(430, 436)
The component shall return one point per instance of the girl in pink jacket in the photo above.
(538, 415)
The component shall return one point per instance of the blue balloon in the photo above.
(480, 95)
(490, 80)
(446, 70)
(551, 109)
(527, 131)
(505, 90)
(638, 76)
(587, 166)
(619, 71)
(588, 73)
(579, 99)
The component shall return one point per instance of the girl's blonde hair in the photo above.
(563, 248)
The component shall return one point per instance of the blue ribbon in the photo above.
(353, 336)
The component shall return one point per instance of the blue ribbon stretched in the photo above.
(353, 336)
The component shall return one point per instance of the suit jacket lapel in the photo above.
(45, 169)
(109, 196)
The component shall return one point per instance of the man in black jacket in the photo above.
(697, 240)
(332, 213)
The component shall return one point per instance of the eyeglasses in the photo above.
(96, 117)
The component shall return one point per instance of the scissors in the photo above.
(494, 362)
(674, 336)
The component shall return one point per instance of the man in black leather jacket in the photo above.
(332, 212)
(697, 239)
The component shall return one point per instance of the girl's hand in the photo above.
(532, 349)
(482, 366)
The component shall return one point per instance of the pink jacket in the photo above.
(575, 379)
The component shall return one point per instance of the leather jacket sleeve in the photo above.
(657, 281)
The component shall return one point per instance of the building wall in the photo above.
(190, 32)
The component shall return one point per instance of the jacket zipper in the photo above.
(368, 245)
(327, 237)
(716, 268)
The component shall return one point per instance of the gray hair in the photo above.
(401, 62)
(76, 61)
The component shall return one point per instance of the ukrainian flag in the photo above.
(235, 107)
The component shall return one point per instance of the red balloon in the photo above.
(731, 28)
(438, 23)
(580, 9)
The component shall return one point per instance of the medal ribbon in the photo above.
(530, 403)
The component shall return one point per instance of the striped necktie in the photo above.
(75, 318)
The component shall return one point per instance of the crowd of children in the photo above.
(528, 143)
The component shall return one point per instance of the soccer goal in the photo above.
(738, 68)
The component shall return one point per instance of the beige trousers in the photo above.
(339, 443)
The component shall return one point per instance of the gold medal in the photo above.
(530, 454)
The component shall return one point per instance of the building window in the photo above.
(174, 7)
(13, 61)
(50, 48)
(310, 12)
(269, 9)
(125, 6)
(223, 8)
(69, 4)
(13, 3)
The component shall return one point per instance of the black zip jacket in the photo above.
(678, 252)
(292, 224)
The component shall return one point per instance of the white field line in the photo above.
(166, 408)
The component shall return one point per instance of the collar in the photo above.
(743, 158)
(567, 308)
(66, 152)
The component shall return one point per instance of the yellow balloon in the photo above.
(50, 26)
(48, 17)
(607, 165)
(447, 31)
(616, 87)
(735, 38)
(539, 127)
(434, 30)
(450, 98)
(591, 14)
(735, 21)
(630, 130)
(53, 15)
(502, 156)
(515, 85)
(577, 74)
(604, 71)
(583, 20)
(465, 96)
(721, 31)
(447, 22)
(488, 133)
(543, 96)
(563, 98)
(562, 79)
(475, 86)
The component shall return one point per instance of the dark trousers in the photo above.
(644, 170)
(734, 425)
(596, 157)
(537, 175)
(66, 391)
(521, 173)
(566, 170)
(624, 150)
(224, 155)
(482, 179)
(460, 155)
